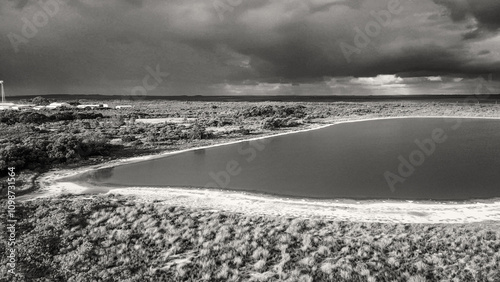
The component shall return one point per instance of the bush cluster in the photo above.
(13, 117)
(171, 133)
(275, 117)
(39, 153)
(297, 111)
(118, 239)
(276, 122)
(220, 121)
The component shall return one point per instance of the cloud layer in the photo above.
(249, 47)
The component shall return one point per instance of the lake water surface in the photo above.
(401, 158)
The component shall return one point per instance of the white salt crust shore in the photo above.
(266, 205)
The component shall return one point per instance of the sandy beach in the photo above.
(365, 211)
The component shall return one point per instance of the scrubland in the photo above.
(113, 238)
(40, 140)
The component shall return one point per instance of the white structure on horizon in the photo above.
(3, 93)
(97, 106)
(57, 105)
(4, 105)
(123, 107)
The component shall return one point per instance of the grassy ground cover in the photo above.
(110, 238)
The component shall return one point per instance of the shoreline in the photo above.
(49, 182)
(249, 203)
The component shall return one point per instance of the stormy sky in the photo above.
(250, 47)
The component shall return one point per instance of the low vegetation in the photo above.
(32, 117)
(37, 153)
(111, 238)
(39, 140)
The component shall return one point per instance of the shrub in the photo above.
(40, 101)
(128, 138)
(243, 131)
(417, 278)
(276, 122)
(276, 111)
(38, 154)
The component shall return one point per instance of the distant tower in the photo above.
(3, 93)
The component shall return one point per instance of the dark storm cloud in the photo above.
(301, 42)
(106, 46)
(138, 3)
(485, 11)
(20, 3)
(321, 6)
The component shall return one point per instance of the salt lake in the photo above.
(396, 158)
